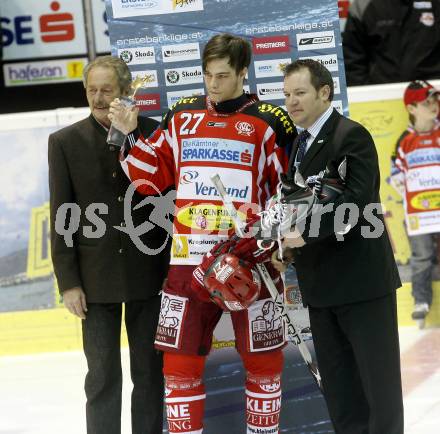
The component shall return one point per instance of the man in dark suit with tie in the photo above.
(346, 273)
(101, 268)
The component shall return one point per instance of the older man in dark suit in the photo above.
(346, 273)
(101, 268)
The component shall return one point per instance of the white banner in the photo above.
(43, 72)
(43, 28)
(315, 41)
(270, 67)
(102, 41)
(182, 76)
(130, 8)
(270, 91)
(330, 61)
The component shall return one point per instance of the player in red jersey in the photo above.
(415, 173)
(241, 138)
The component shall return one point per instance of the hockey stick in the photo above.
(293, 335)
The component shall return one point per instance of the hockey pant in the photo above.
(185, 392)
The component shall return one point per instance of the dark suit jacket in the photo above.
(332, 272)
(84, 169)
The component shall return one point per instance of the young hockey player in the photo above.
(235, 135)
(416, 174)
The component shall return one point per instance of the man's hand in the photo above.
(293, 239)
(281, 265)
(276, 262)
(290, 241)
(75, 301)
(122, 117)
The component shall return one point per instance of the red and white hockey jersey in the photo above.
(417, 167)
(194, 142)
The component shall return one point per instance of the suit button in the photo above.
(121, 250)
(120, 198)
(123, 224)
(114, 174)
(111, 148)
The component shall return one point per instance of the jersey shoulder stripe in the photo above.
(196, 102)
(277, 118)
(271, 114)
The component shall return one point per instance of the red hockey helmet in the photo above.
(232, 283)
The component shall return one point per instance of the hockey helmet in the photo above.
(232, 283)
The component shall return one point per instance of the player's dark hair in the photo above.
(226, 46)
(319, 75)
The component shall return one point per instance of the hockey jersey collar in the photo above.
(235, 105)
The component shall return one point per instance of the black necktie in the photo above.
(302, 145)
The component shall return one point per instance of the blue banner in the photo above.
(163, 40)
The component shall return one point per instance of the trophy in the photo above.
(115, 136)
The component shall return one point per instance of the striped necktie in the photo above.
(302, 145)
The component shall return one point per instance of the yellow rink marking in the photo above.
(41, 331)
(56, 330)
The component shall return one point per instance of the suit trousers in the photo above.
(357, 349)
(103, 383)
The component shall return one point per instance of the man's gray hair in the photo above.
(122, 72)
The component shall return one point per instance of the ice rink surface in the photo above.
(43, 394)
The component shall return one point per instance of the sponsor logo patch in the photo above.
(423, 178)
(315, 41)
(150, 77)
(139, 4)
(206, 217)
(269, 91)
(180, 248)
(427, 200)
(271, 44)
(184, 4)
(330, 61)
(217, 124)
(216, 149)
(266, 325)
(137, 56)
(172, 76)
(244, 128)
(271, 388)
(51, 71)
(194, 183)
(180, 52)
(182, 76)
(128, 8)
(270, 68)
(188, 177)
(148, 101)
(172, 314)
(423, 157)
